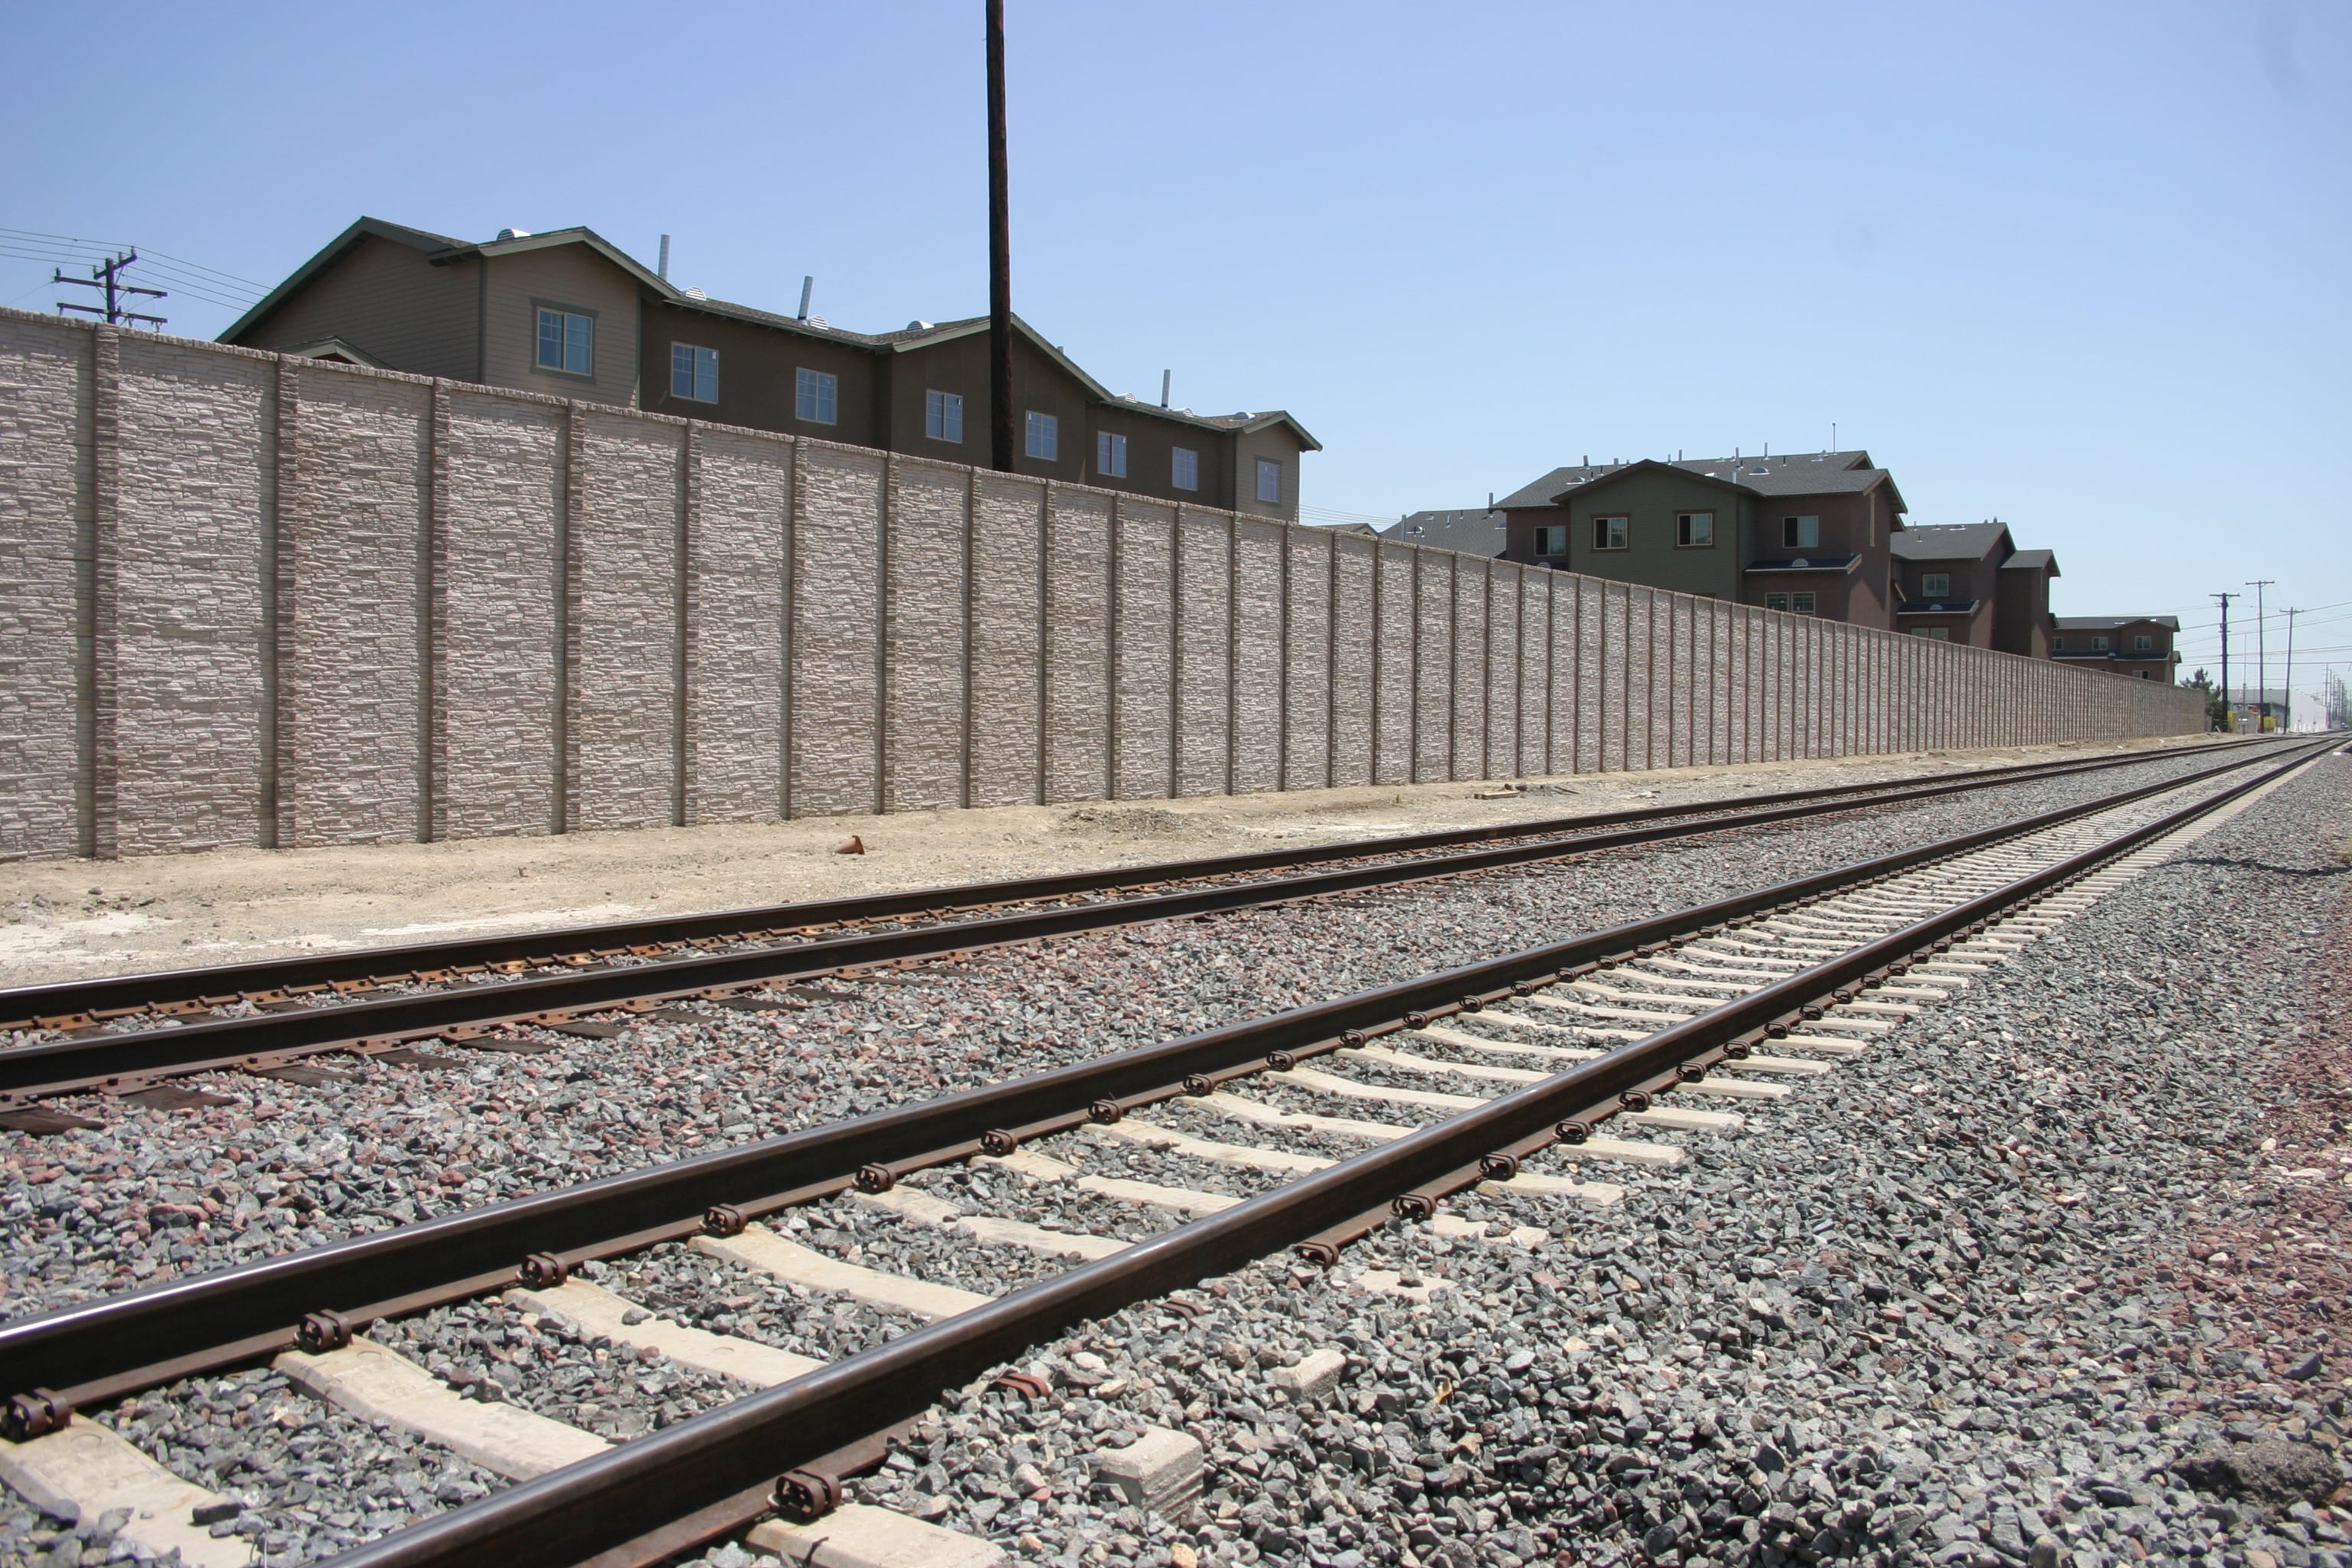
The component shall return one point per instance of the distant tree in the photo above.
(2217, 707)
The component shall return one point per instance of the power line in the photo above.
(152, 256)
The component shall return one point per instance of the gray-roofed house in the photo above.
(1469, 531)
(1807, 534)
(1969, 582)
(568, 313)
(2137, 645)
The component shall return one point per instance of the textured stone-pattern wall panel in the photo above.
(1433, 699)
(1394, 663)
(1469, 671)
(1640, 659)
(1560, 700)
(1258, 656)
(192, 684)
(354, 547)
(925, 559)
(1078, 647)
(44, 455)
(1534, 754)
(1307, 673)
(741, 489)
(1147, 632)
(1501, 676)
(1354, 662)
(836, 632)
(1007, 640)
(497, 577)
(627, 497)
(1205, 652)
(1593, 683)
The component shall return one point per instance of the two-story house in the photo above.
(1808, 534)
(1969, 582)
(2138, 646)
(1471, 530)
(569, 314)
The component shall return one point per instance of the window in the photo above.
(1551, 538)
(694, 373)
(1608, 534)
(1043, 438)
(817, 396)
(1694, 529)
(1933, 634)
(2098, 645)
(1269, 481)
(1110, 455)
(1184, 468)
(1801, 533)
(1776, 600)
(2143, 642)
(2057, 644)
(1936, 585)
(1802, 604)
(567, 341)
(943, 415)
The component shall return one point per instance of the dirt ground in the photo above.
(62, 920)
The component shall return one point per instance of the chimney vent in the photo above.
(661, 267)
(807, 285)
(1165, 377)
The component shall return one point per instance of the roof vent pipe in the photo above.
(661, 267)
(514, 234)
(808, 285)
(1165, 376)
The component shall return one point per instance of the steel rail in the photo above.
(101, 1350)
(113, 995)
(133, 1060)
(727, 1457)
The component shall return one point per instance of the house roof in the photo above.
(441, 249)
(1948, 541)
(1822, 473)
(2032, 561)
(2107, 623)
(1471, 530)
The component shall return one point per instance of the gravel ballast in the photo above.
(1960, 1326)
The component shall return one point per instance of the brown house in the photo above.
(2137, 645)
(1808, 534)
(569, 314)
(1969, 582)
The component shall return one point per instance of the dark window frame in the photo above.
(693, 372)
(826, 386)
(1602, 534)
(1682, 521)
(538, 306)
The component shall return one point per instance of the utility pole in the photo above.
(2261, 655)
(2290, 669)
(1000, 256)
(2229, 714)
(107, 278)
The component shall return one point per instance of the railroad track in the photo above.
(1555, 1057)
(129, 1035)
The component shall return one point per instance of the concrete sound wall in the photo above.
(254, 600)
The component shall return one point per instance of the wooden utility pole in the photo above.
(999, 258)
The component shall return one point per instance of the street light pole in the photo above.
(2290, 669)
(2229, 713)
(1000, 256)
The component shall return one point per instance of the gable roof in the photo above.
(441, 249)
(1822, 473)
(1471, 530)
(1949, 541)
(2107, 623)
(2033, 561)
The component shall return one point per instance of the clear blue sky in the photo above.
(2082, 267)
